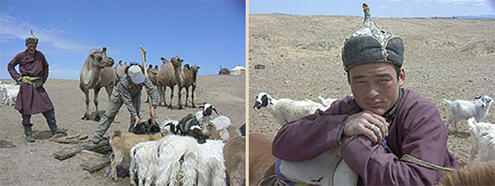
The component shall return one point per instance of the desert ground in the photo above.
(25, 163)
(444, 58)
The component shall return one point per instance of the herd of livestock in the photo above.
(196, 150)
(98, 72)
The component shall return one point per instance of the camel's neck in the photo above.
(178, 74)
(90, 75)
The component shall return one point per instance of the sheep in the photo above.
(286, 110)
(10, 91)
(189, 74)
(477, 174)
(327, 102)
(122, 142)
(234, 153)
(462, 109)
(205, 114)
(483, 141)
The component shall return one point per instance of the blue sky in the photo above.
(208, 33)
(379, 8)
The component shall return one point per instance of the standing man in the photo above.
(382, 126)
(32, 97)
(128, 91)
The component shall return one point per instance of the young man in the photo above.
(32, 97)
(380, 111)
(127, 91)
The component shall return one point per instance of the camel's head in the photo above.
(99, 59)
(177, 62)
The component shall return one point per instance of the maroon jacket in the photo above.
(416, 129)
(31, 100)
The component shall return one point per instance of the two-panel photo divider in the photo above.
(247, 92)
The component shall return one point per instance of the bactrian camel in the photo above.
(189, 74)
(96, 72)
(169, 75)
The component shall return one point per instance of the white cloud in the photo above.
(13, 28)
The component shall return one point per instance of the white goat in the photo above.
(10, 91)
(463, 109)
(211, 165)
(483, 141)
(327, 102)
(142, 162)
(173, 166)
(286, 110)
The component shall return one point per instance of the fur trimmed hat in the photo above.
(371, 44)
(31, 39)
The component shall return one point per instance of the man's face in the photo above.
(31, 48)
(375, 86)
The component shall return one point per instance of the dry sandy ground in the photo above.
(444, 58)
(34, 164)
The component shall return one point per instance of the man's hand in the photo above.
(367, 123)
(152, 112)
(136, 121)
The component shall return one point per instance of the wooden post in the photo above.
(143, 56)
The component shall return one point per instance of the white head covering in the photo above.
(136, 74)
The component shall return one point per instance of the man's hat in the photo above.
(370, 44)
(31, 39)
(136, 74)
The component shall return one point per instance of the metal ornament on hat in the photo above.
(369, 28)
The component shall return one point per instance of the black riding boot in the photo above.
(55, 130)
(28, 132)
(52, 123)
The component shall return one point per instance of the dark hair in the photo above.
(132, 64)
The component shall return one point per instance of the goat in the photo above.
(145, 127)
(327, 102)
(11, 91)
(171, 126)
(142, 162)
(286, 110)
(205, 114)
(462, 109)
(122, 142)
(483, 141)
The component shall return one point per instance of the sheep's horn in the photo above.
(214, 109)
